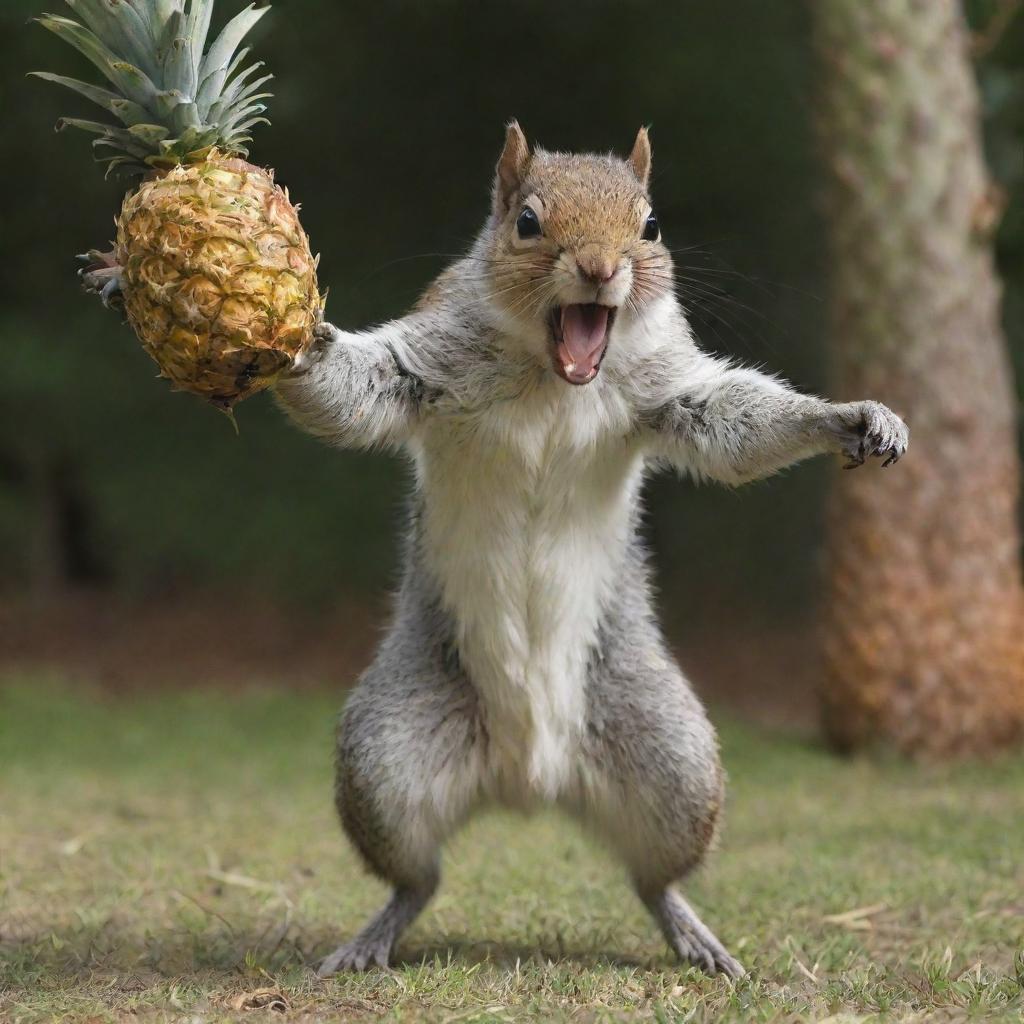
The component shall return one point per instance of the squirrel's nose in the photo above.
(596, 265)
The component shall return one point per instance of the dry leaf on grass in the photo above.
(242, 881)
(72, 846)
(856, 919)
(261, 999)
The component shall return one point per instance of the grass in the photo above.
(168, 857)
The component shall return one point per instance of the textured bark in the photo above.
(925, 621)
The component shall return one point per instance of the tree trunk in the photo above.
(925, 618)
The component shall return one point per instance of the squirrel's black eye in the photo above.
(651, 230)
(527, 224)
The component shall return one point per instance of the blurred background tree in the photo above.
(925, 633)
(387, 122)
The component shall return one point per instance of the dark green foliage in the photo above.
(387, 121)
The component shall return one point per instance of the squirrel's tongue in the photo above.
(584, 334)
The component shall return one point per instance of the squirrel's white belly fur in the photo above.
(527, 514)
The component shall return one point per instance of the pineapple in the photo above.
(211, 263)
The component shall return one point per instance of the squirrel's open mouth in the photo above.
(580, 334)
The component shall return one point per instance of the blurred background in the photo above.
(143, 542)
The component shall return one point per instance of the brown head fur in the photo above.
(591, 211)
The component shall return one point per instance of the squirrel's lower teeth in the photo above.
(570, 367)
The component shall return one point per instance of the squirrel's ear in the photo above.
(640, 158)
(511, 167)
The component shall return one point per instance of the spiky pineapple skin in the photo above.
(218, 278)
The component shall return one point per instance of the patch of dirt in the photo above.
(761, 672)
(196, 640)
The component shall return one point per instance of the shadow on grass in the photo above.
(509, 955)
(68, 954)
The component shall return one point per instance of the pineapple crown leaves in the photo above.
(174, 98)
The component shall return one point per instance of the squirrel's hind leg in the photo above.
(651, 784)
(408, 774)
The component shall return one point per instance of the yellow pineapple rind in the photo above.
(218, 278)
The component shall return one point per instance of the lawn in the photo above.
(170, 856)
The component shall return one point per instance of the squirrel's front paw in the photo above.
(870, 429)
(324, 334)
(101, 275)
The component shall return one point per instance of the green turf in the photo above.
(163, 857)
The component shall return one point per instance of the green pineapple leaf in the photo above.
(179, 71)
(198, 29)
(231, 37)
(148, 134)
(127, 111)
(175, 97)
(122, 29)
(186, 115)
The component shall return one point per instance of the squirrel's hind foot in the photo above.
(373, 946)
(691, 939)
(361, 954)
(711, 958)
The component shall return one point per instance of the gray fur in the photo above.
(493, 683)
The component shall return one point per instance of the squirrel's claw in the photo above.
(111, 291)
(855, 455)
(876, 432)
(101, 276)
(324, 334)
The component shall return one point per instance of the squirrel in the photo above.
(534, 386)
